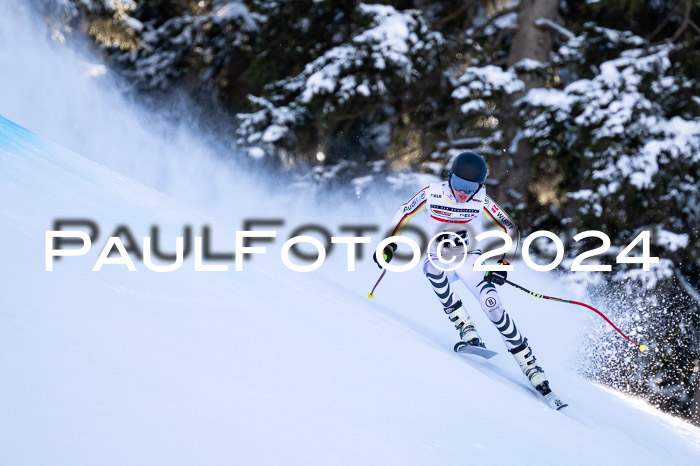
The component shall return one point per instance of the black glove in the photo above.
(497, 277)
(388, 254)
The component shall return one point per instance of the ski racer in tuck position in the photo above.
(456, 208)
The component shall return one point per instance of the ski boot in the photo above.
(527, 362)
(467, 331)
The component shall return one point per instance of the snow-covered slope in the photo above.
(268, 366)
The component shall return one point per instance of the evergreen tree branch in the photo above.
(662, 24)
(692, 292)
(479, 29)
(684, 24)
(560, 31)
(452, 15)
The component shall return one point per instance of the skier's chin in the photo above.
(461, 197)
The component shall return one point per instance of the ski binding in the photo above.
(552, 400)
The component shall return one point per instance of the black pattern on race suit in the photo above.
(437, 208)
(484, 292)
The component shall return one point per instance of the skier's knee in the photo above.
(431, 271)
(491, 304)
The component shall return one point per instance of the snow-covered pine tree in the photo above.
(159, 43)
(345, 103)
(624, 147)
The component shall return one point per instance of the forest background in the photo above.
(586, 111)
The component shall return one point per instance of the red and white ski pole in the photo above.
(370, 295)
(641, 347)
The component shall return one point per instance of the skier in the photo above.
(456, 208)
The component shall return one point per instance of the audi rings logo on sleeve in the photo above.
(491, 302)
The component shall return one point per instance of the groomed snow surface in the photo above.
(269, 366)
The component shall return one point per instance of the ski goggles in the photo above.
(460, 184)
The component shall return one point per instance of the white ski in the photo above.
(462, 347)
(553, 401)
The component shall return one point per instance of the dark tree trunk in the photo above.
(529, 41)
(695, 407)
